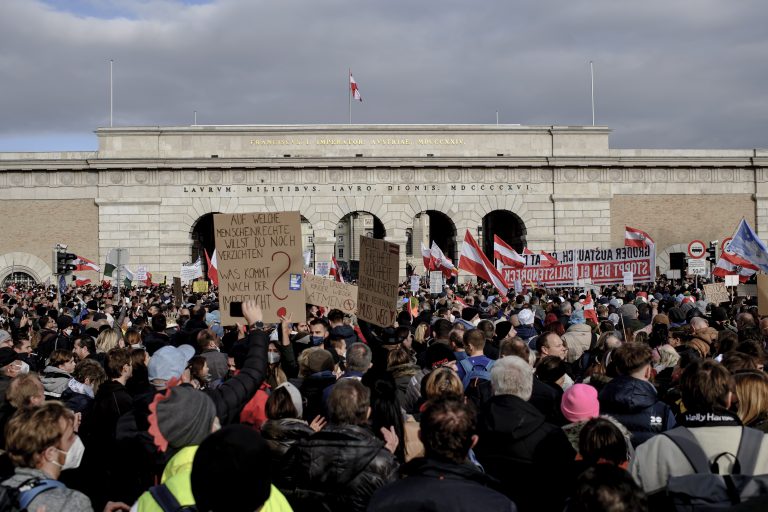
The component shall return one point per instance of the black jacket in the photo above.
(434, 486)
(519, 448)
(633, 402)
(338, 468)
(281, 434)
(154, 341)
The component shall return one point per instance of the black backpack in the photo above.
(706, 490)
(167, 501)
(14, 499)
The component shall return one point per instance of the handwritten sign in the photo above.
(716, 293)
(436, 282)
(330, 294)
(415, 283)
(378, 283)
(200, 286)
(190, 272)
(141, 273)
(260, 259)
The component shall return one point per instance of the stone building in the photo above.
(153, 190)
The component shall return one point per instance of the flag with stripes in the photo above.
(634, 237)
(504, 253)
(475, 262)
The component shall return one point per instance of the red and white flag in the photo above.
(547, 260)
(589, 308)
(475, 262)
(527, 251)
(634, 237)
(426, 256)
(442, 262)
(81, 282)
(85, 264)
(148, 280)
(353, 89)
(730, 264)
(504, 253)
(334, 271)
(213, 267)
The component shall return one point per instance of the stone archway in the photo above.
(506, 225)
(27, 263)
(662, 257)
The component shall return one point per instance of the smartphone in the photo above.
(236, 309)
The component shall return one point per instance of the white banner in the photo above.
(190, 272)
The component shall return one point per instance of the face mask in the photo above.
(273, 357)
(74, 455)
(316, 340)
(451, 318)
(24, 368)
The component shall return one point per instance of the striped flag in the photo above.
(589, 308)
(426, 256)
(746, 244)
(353, 89)
(547, 260)
(730, 264)
(213, 271)
(634, 237)
(442, 262)
(475, 262)
(504, 253)
(334, 271)
(85, 264)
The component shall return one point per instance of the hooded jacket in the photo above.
(634, 403)
(55, 381)
(578, 337)
(338, 468)
(430, 485)
(519, 448)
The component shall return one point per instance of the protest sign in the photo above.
(746, 290)
(330, 294)
(436, 282)
(602, 266)
(200, 286)
(178, 297)
(762, 294)
(415, 283)
(191, 271)
(141, 273)
(716, 293)
(378, 283)
(731, 280)
(629, 278)
(259, 259)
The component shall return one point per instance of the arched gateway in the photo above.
(152, 190)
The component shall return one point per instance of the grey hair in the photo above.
(566, 308)
(359, 357)
(512, 376)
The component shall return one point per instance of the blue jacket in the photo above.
(634, 404)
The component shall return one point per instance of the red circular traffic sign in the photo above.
(696, 249)
(727, 246)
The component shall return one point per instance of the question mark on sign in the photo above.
(288, 257)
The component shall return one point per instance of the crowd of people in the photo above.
(545, 400)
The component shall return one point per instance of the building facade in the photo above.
(154, 190)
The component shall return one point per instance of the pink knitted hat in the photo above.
(580, 403)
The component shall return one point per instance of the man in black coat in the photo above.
(340, 467)
(532, 458)
(444, 480)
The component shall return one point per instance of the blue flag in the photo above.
(747, 244)
(62, 284)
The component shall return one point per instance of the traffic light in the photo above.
(712, 252)
(64, 263)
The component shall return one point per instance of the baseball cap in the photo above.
(169, 362)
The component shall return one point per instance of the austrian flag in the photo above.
(353, 89)
(634, 237)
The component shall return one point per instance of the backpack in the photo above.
(706, 490)
(477, 382)
(14, 499)
(167, 501)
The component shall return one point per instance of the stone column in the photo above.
(324, 246)
(397, 236)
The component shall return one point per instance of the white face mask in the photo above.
(273, 357)
(74, 455)
(24, 368)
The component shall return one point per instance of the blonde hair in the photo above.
(420, 334)
(107, 340)
(32, 430)
(752, 392)
(668, 356)
(443, 382)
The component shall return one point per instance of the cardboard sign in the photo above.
(602, 266)
(629, 278)
(762, 294)
(378, 282)
(716, 293)
(141, 273)
(415, 283)
(178, 297)
(200, 286)
(260, 259)
(436, 282)
(731, 280)
(330, 294)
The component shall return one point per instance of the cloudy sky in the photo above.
(669, 74)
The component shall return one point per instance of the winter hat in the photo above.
(525, 316)
(169, 362)
(661, 318)
(346, 332)
(7, 356)
(629, 311)
(676, 316)
(502, 329)
(64, 321)
(439, 354)
(580, 403)
(614, 319)
(182, 416)
(231, 471)
(292, 390)
(719, 314)
(4, 336)
(319, 361)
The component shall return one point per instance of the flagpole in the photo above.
(349, 92)
(592, 77)
(111, 97)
